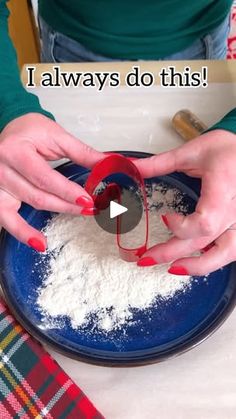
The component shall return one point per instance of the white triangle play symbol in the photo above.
(116, 209)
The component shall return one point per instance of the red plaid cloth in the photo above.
(231, 53)
(32, 385)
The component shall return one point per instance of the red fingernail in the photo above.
(37, 244)
(164, 219)
(89, 211)
(84, 201)
(178, 270)
(146, 261)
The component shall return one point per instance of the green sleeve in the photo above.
(228, 122)
(15, 101)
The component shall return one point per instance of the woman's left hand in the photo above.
(212, 227)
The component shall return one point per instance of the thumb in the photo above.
(79, 152)
(160, 164)
(213, 214)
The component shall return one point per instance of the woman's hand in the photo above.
(26, 144)
(211, 157)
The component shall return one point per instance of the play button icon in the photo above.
(128, 209)
(116, 209)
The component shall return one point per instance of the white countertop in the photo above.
(200, 384)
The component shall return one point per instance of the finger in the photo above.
(222, 253)
(21, 189)
(160, 164)
(214, 212)
(179, 159)
(18, 227)
(173, 249)
(182, 158)
(38, 172)
(79, 152)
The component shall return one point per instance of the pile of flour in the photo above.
(85, 276)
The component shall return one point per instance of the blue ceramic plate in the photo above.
(169, 328)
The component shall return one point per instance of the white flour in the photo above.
(85, 275)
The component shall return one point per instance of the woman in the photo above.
(106, 31)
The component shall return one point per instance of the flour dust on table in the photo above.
(85, 278)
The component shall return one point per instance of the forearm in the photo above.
(15, 101)
(228, 122)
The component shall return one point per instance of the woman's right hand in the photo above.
(26, 144)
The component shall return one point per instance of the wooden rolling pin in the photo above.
(187, 125)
